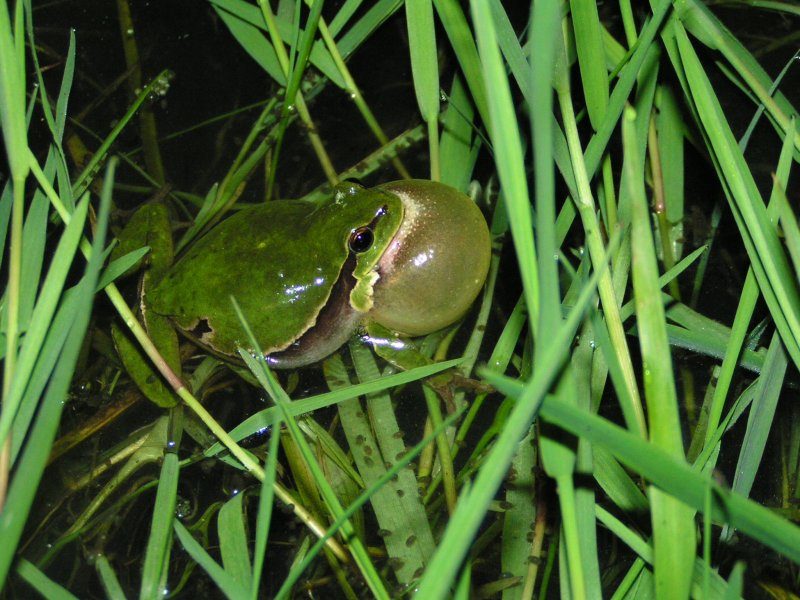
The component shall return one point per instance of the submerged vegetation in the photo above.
(626, 420)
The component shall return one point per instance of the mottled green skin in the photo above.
(280, 261)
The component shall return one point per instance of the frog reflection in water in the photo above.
(402, 259)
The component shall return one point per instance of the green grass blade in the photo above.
(515, 56)
(424, 57)
(585, 501)
(246, 24)
(761, 418)
(717, 586)
(306, 44)
(702, 23)
(766, 254)
(34, 238)
(670, 127)
(270, 416)
(264, 516)
(109, 579)
(591, 58)
(233, 541)
(33, 454)
(545, 22)
(42, 316)
(6, 201)
(460, 35)
(42, 583)
(48, 355)
(627, 79)
(735, 582)
(459, 147)
(64, 91)
(12, 95)
(673, 521)
(379, 12)
(505, 136)
(617, 483)
(13, 120)
(159, 542)
(226, 583)
(733, 350)
(401, 498)
(345, 13)
(75, 311)
(120, 266)
(521, 512)
(56, 120)
(356, 547)
(425, 71)
(251, 39)
(545, 25)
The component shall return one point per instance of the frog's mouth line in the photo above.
(335, 323)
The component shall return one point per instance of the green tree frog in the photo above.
(407, 256)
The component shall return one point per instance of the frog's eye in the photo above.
(361, 240)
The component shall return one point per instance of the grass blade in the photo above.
(425, 71)
(76, 311)
(233, 541)
(673, 521)
(159, 542)
(591, 58)
(226, 583)
(42, 583)
(766, 254)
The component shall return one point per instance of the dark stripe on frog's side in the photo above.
(335, 324)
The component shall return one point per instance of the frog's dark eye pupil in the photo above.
(361, 239)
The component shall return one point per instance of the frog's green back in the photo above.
(264, 257)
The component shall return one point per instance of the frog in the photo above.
(401, 260)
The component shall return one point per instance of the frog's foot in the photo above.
(445, 385)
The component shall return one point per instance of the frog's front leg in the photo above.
(395, 349)
(403, 353)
